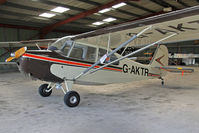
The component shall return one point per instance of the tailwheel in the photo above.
(71, 99)
(162, 82)
(44, 91)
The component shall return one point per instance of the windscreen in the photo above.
(60, 43)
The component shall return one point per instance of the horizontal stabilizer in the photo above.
(177, 69)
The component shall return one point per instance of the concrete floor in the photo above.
(136, 107)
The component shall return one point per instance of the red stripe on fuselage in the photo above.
(65, 61)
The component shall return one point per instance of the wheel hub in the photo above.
(73, 100)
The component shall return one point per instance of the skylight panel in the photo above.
(98, 23)
(47, 15)
(60, 9)
(105, 10)
(119, 5)
(109, 19)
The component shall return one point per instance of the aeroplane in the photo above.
(69, 61)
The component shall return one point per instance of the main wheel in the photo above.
(44, 90)
(72, 99)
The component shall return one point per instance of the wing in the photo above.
(177, 69)
(185, 22)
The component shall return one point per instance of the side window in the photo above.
(91, 54)
(77, 52)
(102, 52)
(65, 50)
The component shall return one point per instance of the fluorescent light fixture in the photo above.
(91, 25)
(60, 9)
(41, 18)
(98, 23)
(105, 10)
(109, 19)
(47, 15)
(119, 5)
(98, 14)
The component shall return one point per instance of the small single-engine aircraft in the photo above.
(69, 61)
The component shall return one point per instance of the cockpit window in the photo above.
(90, 54)
(75, 49)
(59, 43)
(77, 53)
(83, 52)
(65, 50)
(102, 52)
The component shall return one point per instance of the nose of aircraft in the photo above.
(34, 68)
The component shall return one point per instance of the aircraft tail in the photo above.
(160, 57)
(160, 63)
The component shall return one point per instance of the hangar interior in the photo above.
(22, 20)
(140, 106)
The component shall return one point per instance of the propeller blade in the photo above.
(10, 59)
(20, 52)
(17, 54)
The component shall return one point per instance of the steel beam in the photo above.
(2, 2)
(91, 2)
(164, 4)
(49, 28)
(182, 3)
(140, 7)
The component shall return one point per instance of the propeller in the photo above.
(17, 54)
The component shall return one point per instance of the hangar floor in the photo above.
(139, 107)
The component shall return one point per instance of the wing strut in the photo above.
(137, 51)
(103, 58)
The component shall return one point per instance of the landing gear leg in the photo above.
(71, 98)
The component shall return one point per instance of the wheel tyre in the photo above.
(72, 99)
(43, 92)
(162, 82)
